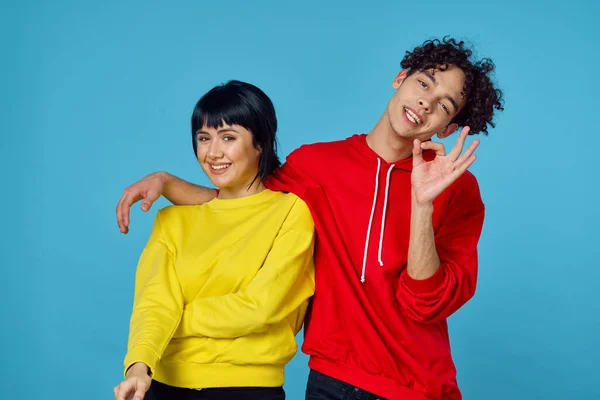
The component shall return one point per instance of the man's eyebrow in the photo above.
(435, 82)
(453, 102)
(430, 76)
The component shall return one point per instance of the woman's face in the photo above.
(228, 156)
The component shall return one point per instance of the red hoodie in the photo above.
(388, 335)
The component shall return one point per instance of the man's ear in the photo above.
(399, 79)
(449, 130)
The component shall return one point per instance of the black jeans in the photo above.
(323, 387)
(160, 391)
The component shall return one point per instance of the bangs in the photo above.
(218, 108)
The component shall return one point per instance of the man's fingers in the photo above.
(118, 212)
(417, 153)
(457, 149)
(467, 154)
(459, 170)
(439, 148)
(120, 216)
(126, 201)
(130, 196)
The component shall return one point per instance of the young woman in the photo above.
(222, 288)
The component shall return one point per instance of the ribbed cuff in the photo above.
(425, 285)
(141, 354)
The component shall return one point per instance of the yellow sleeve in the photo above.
(282, 285)
(158, 301)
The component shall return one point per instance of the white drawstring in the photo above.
(364, 266)
(385, 201)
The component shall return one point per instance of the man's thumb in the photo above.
(150, 198)
(146, 205)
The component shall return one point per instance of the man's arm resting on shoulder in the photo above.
(180, 192)
(151, 187)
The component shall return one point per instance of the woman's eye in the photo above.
(444, 107)
(423, 84)
(202, 139)
(228, 138)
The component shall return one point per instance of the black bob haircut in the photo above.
(481, 95)
(243, 104)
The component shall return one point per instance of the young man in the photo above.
(397, 220)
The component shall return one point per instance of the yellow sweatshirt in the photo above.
(221, 291)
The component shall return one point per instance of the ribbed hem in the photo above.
(379, 385)
(202, 376)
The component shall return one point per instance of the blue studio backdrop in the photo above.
(96, 95)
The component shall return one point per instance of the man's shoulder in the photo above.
(468, 179)
(319, 149)
(465, 190)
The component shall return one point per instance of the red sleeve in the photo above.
(438, 297)
(294, 175)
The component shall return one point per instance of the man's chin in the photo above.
(404, 135)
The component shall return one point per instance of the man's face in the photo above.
(425, 102)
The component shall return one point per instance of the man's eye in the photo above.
(444, 107)
(423, 84)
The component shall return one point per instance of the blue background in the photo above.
(97, 94)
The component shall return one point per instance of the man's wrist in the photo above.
(166, 179)
(421, 206)
(164, 176)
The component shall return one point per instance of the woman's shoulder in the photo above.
(175, 212)
(288, 198)
(177, 217)
(299, 213)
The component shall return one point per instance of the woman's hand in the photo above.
(136, 383)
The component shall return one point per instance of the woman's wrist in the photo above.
(138, 369)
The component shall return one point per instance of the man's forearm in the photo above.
(180, 192)
(423, 260)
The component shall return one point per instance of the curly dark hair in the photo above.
(481, 96)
